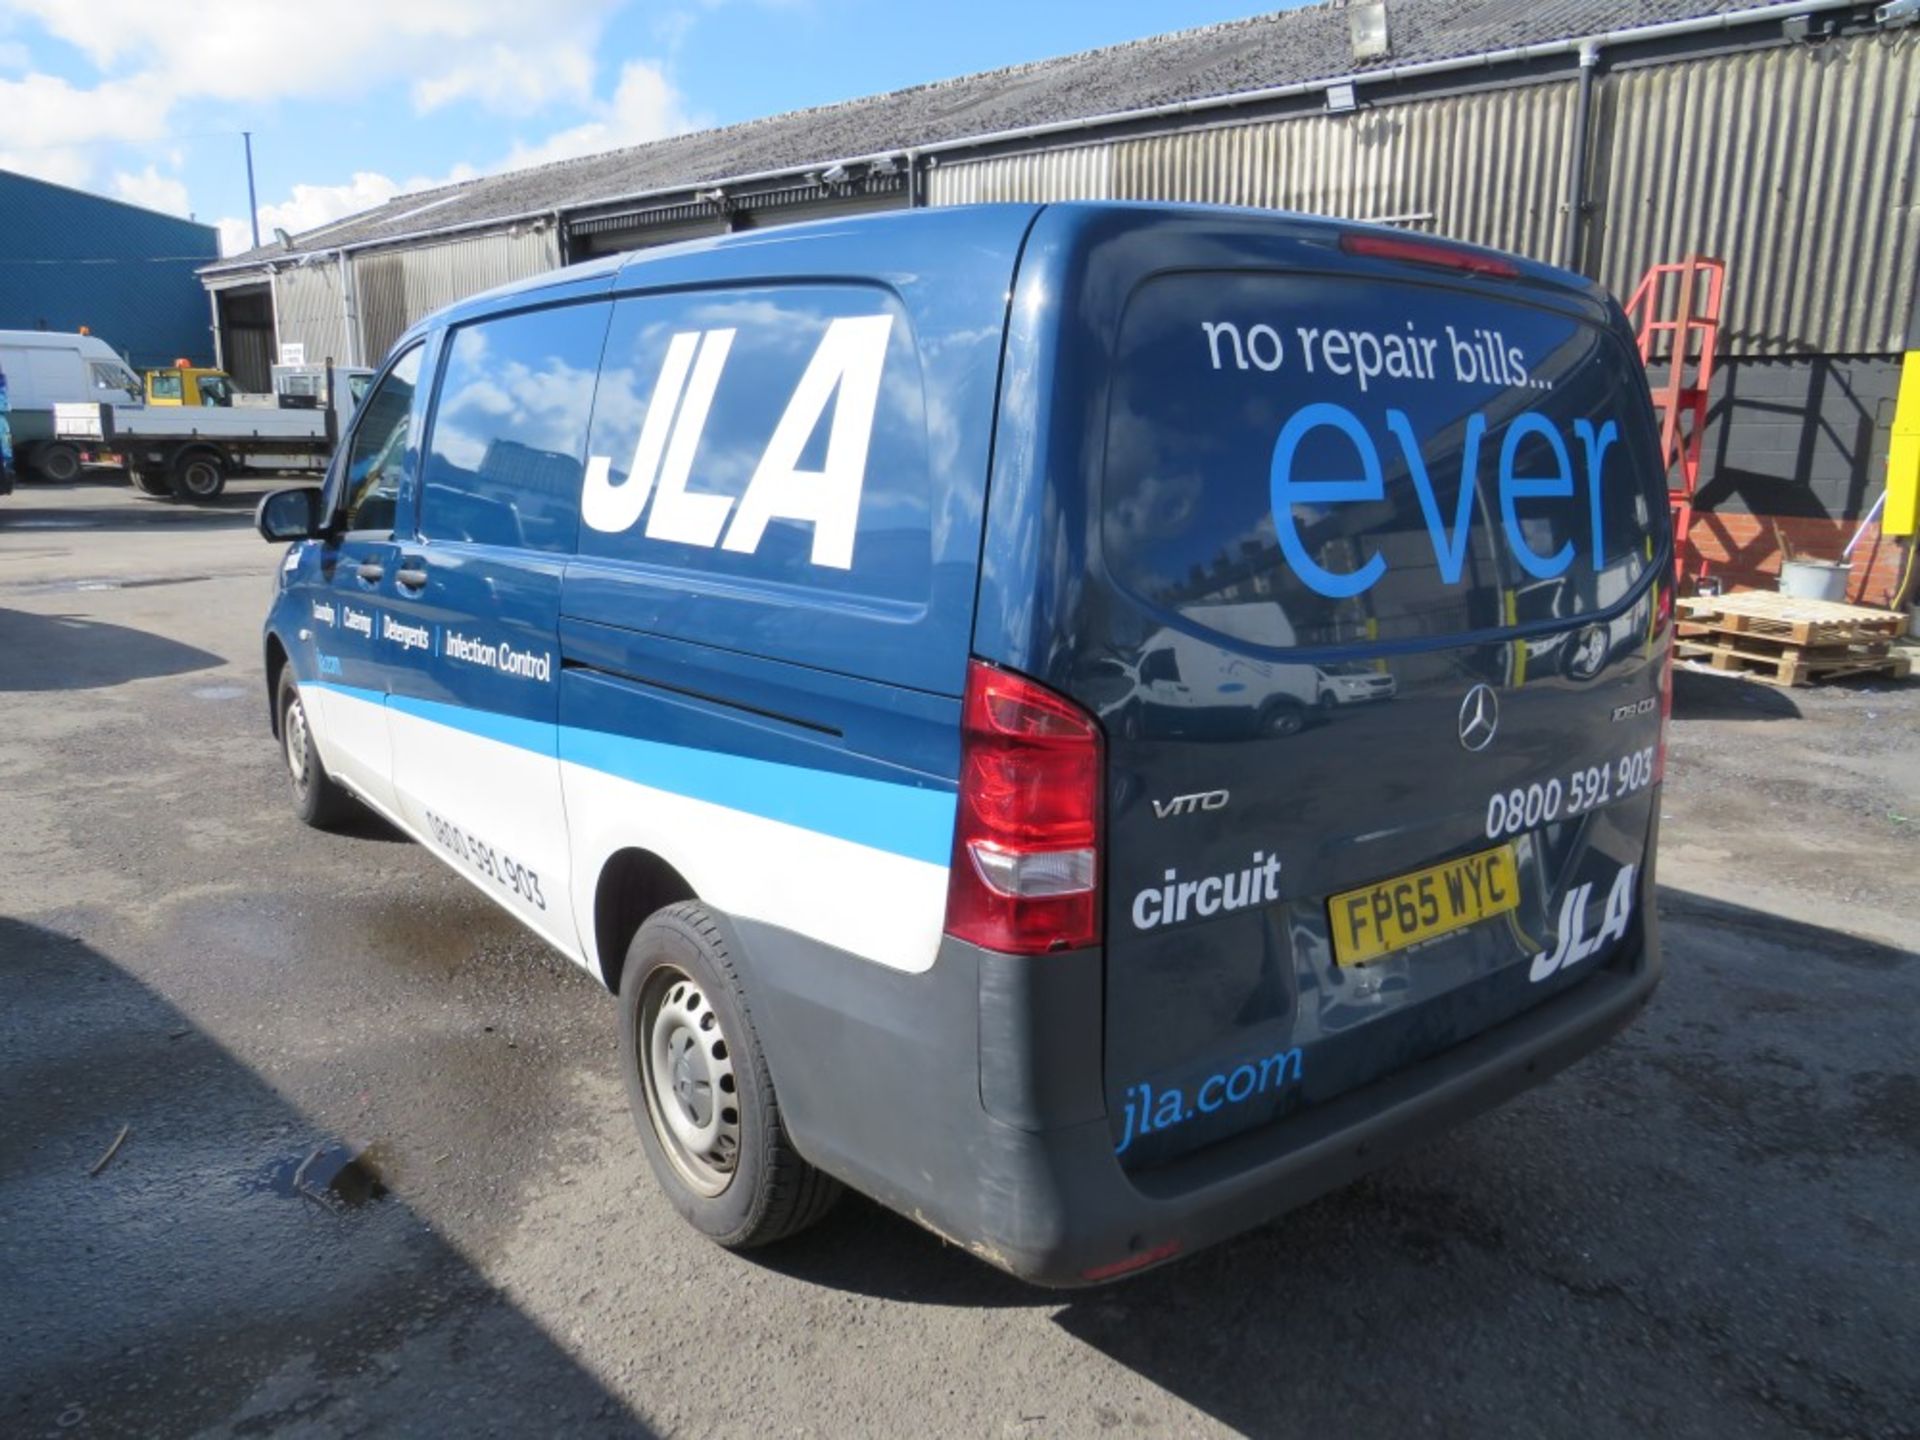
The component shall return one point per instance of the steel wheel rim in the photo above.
(199, 478)
(295, 729)
(686, 1069)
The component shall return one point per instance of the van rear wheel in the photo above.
(317, 798)
(58, 463)
(1282, 718)
(150, 482)
(700, 1090)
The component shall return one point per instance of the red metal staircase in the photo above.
(1675, 311)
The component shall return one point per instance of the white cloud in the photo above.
(152, 189)
(517, 52)
(506, 56)
(311, 206)
(645, 106)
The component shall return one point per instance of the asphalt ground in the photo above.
(1707, 1228)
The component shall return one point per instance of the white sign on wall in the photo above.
(293, 352)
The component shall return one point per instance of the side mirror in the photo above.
(286, 515)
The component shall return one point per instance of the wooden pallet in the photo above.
(1798, 622)
(1784, 664)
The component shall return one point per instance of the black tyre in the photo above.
(1282, 718)
(700, 1090)
(150, 482)
(317, 798)
(199, 476)
(58, 463)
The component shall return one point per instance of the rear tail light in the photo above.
(1425, 252)
(1026, 846)
(1663, 627)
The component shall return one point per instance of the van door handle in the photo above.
(371, 571)
(412, 573)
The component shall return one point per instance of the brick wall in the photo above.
(1741, 552)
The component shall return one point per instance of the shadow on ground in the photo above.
(66, 652)
(203, 1280)
(233, 510)
(1705, 695)
(1634, 1248)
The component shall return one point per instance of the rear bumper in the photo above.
(970, 1100)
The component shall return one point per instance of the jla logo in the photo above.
(1572, 947)
(844, 372)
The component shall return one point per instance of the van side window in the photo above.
(1159, 665)
(114, 377)
(377, 462)
(508, 441)
(775, 435)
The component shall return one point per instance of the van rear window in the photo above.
(1374, 461)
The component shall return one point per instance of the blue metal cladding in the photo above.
(69, 259)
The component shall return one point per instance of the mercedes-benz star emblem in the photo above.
(1479, 717)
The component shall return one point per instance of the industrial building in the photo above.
(1604, 136)
(69, 259)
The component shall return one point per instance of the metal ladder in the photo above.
(1675, 311)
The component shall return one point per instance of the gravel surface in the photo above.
(1707, 1228)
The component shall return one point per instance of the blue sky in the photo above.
(351, 103)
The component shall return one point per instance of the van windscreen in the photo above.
(1371, 460)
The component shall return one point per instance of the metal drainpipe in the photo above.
(1577, 160)
(349, 311)
(916, 181)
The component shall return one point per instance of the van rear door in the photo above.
(1373, 637)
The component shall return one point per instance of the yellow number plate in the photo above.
(1376, 920)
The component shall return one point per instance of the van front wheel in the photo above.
(317, 797)
(700, 1091)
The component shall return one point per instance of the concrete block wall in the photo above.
(1805, 437)
(1797, 449)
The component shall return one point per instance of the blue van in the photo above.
(1090, 724)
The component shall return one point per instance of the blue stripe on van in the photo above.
(902, 819)
(514, 730)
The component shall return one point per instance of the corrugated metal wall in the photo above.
(69, 259)
(394, 288)
(1794, 165)
(1082, 172)
(306, 310)
(1487, 168)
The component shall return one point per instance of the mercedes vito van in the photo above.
(790, 628)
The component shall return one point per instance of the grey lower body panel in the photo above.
(970, 1099)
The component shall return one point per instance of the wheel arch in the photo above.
(213, 450)
(276, 661)
(634, 883)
